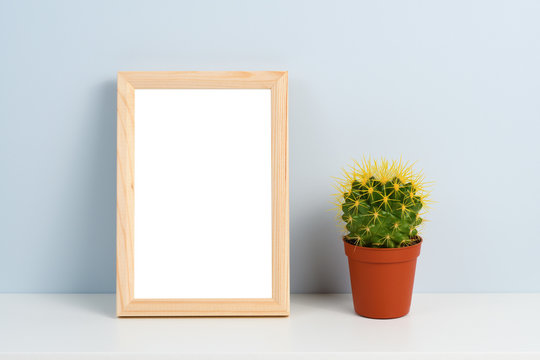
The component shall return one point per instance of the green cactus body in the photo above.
(380, 213)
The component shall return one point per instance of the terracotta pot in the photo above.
(382, 279)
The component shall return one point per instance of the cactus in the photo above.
(381, 203)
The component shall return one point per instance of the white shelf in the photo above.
(440, 326)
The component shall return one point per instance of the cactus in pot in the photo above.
(381, 204)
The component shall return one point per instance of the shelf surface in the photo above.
(69, 326)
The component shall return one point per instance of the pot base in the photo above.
(379, 317)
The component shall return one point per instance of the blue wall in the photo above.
(452, 84)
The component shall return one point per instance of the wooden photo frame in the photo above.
(202, 194)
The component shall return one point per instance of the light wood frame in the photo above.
(278, 305)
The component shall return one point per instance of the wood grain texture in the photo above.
(202, 79)
(125, 194)
(278, 305)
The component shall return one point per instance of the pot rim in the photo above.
(382, 255)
